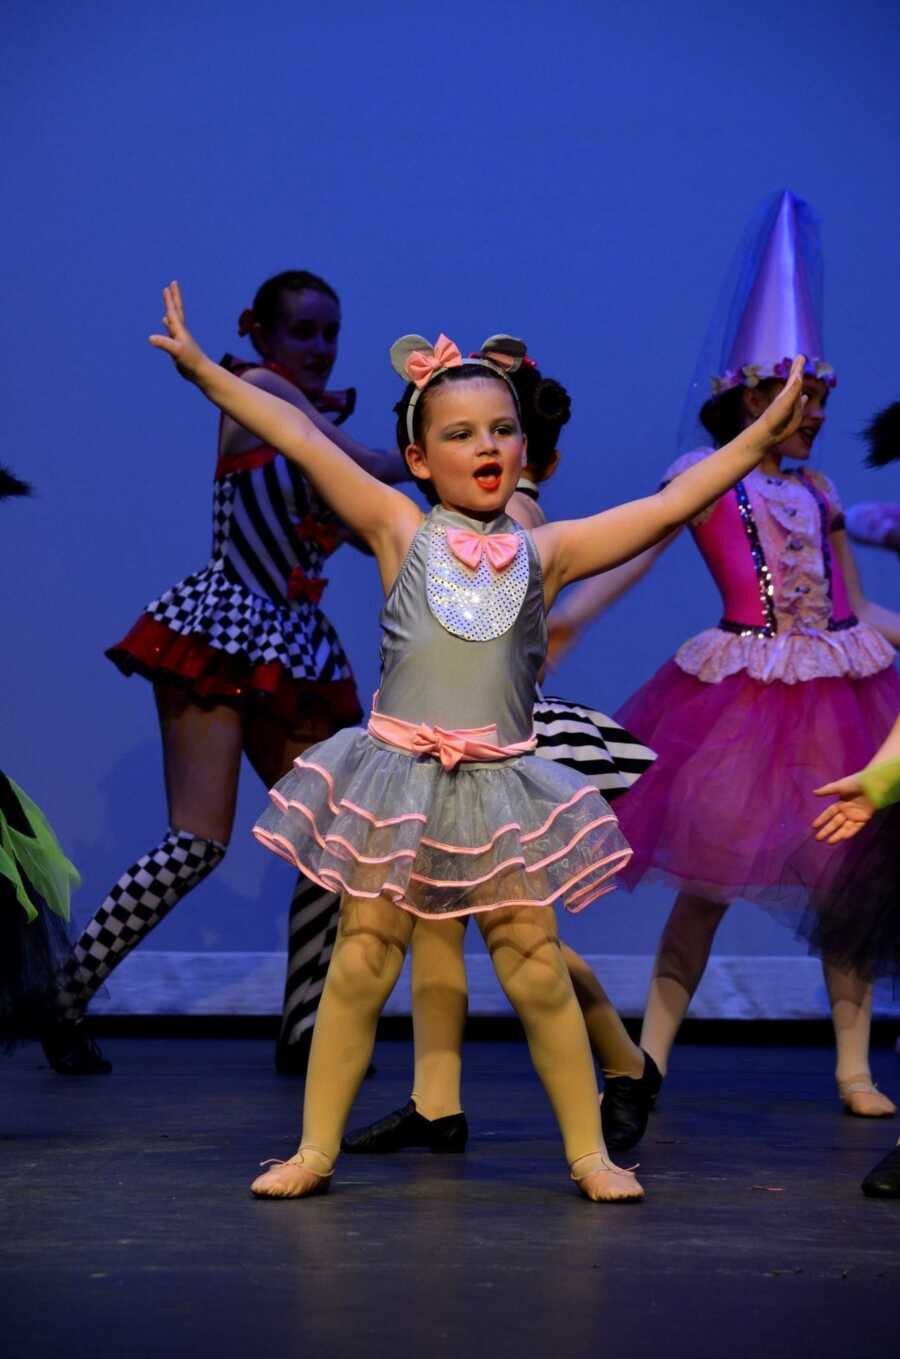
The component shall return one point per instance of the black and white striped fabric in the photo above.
(311, 935)
(239, 602)
(591, 742)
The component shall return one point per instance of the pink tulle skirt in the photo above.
(726, 810)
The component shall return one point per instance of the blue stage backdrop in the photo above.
(578, 174)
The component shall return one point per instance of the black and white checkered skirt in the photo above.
(233, 619)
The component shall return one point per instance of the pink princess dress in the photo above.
(750, 716)
(440, 805)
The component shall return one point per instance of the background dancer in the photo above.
(877, 522)
(242, 662)
(36, 882)
(860, 928)
(799, 671)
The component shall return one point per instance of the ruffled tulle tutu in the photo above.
(854, 914)
(362, 817)
(726, 809)
(36, 879)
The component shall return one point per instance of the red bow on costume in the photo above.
(421, 366)
(302, 586)
(325, 536)
(499, 548)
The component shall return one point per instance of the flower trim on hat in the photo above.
(752, 374)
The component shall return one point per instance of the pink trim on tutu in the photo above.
(328, 839)
(333, 881)
(726, 810)
(335, 808)
(523, 831)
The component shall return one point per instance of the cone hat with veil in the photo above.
(769, 310)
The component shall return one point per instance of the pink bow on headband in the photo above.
(422, 366)
(469, 548)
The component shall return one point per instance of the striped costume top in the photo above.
(257, 597)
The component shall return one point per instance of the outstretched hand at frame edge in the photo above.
(845, 818)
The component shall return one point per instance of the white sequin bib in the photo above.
(479, 604)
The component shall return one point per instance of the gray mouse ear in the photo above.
(401, 350)
(505, 351)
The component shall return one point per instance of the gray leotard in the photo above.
(464, 650)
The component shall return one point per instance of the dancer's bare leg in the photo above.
(371, 944)
(201, 763)
(524, 948)
(680, 963)
(439, 1004)
(851, 1013)
(610, 1043)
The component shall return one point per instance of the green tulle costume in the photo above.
(36, 882)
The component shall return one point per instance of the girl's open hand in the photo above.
(783, 417)
(178, 343)
(846, 817)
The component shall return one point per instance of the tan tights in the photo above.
(524, 947)
(681, 961)
(439, 1002)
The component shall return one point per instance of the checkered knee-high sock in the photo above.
(311, 935)
(142, 897)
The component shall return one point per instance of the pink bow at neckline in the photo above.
(422, 366)
(499, 548)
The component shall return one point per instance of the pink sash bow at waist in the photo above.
(466, 744)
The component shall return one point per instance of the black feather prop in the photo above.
(883, 437)
(11, 485)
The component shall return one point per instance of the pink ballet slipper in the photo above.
(291, 1179)
(602, 1182)
(861, 1097)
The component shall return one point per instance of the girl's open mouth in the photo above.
(489, 476)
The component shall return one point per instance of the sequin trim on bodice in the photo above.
(476, 604)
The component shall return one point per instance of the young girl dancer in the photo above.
(877, 523)
(439, 810)
(596, 746)
(242, 661)
(798, 673)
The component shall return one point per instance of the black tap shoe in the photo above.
(626, 1106)
(883, 1180)
(71, 1051)
(406, 1128)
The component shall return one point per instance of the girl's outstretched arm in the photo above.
(581, 547)
(387, 467)
(384, 518)
(887, 621)
(594, 596)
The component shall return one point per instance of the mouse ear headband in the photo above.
(419, 362)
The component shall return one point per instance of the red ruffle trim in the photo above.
(153, 650)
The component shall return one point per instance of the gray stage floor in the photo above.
(128, 1230)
